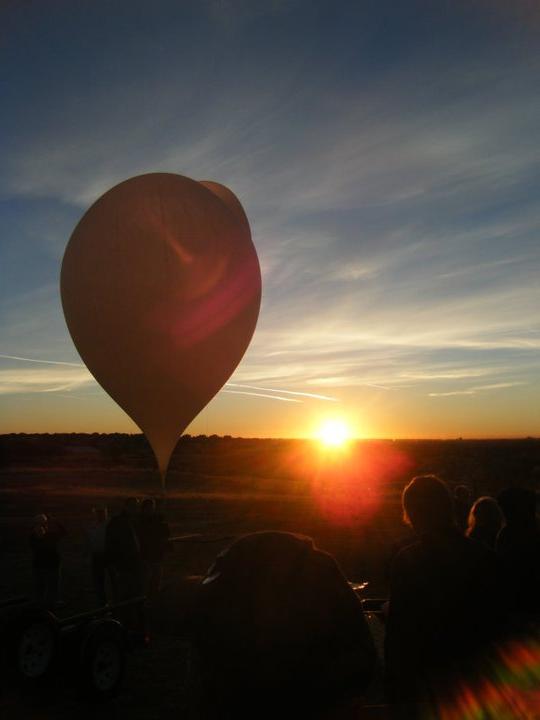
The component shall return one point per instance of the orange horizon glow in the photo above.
(334, 433)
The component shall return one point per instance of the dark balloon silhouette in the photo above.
(161, 289)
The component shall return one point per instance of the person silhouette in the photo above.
(279, 630)
(462, 505)
(443, 606)
(518, 546)
(153, 533)
(44, 538)
(122, 551)
(485, 521)
(96, 535)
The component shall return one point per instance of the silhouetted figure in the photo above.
(444, 605)
(518, 546)
(46, 534)
(96, 540)
(462, 506)
(485, 521)
(279, 629)
(153, 534)
(123, 552)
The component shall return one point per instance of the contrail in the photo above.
(264, 394)
(68, 386)
(47, 362)
(254, 394)
(285, 392)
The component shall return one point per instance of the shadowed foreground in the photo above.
(210, 504)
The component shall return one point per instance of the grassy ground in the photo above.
(157, 683)
(215, 492)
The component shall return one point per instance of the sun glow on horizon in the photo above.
(334, 433)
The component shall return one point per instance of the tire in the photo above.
(32, 650)
(103, 661)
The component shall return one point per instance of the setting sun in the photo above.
(334, 433)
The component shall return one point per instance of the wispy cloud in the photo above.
(452, 392)
(262, 395)
(41, 362)
(286, 392)
(25, 380)
(480, 388)
(458, 374)
(498, 386)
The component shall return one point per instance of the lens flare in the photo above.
(509, 689)
(349, 482)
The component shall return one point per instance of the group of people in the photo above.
(454, 594)
(276, 618)
(126, 553)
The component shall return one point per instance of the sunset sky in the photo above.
(387, 155)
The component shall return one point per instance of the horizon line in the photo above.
(227, 436)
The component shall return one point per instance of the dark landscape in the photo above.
(219, 488)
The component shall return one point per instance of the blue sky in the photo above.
(387, 157)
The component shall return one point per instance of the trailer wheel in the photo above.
(103, 661)
(32, 649)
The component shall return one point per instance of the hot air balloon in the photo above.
(161, 289)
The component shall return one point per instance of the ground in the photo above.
(218, 489)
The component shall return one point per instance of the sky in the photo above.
(387, 155)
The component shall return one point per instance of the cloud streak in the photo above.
(286, 392)
(261, 395)
(24, 380)
(41, 362)
(481, 388)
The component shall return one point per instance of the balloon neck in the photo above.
(163, 477)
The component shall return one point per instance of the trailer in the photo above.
(41, 651)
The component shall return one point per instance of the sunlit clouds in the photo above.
(268, 396)
(31, 380)
(312, 396)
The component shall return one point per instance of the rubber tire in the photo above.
(104, 645)
(32, 650)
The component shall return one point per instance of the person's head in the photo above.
(427, 505)
(100, 514)
(519, 506)
(260, 557)
(131, 506)
(485, 514)
(148, 506)
(462, 494)
(40, 520)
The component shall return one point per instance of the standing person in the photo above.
(153, 534)
(122, 551)
(445, 605)
(462, 506)
(96, 541)
(46, 534)
(518, 546)
(485, 521)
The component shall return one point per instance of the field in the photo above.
(218, 489)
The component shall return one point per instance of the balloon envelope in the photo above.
(161, 289)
